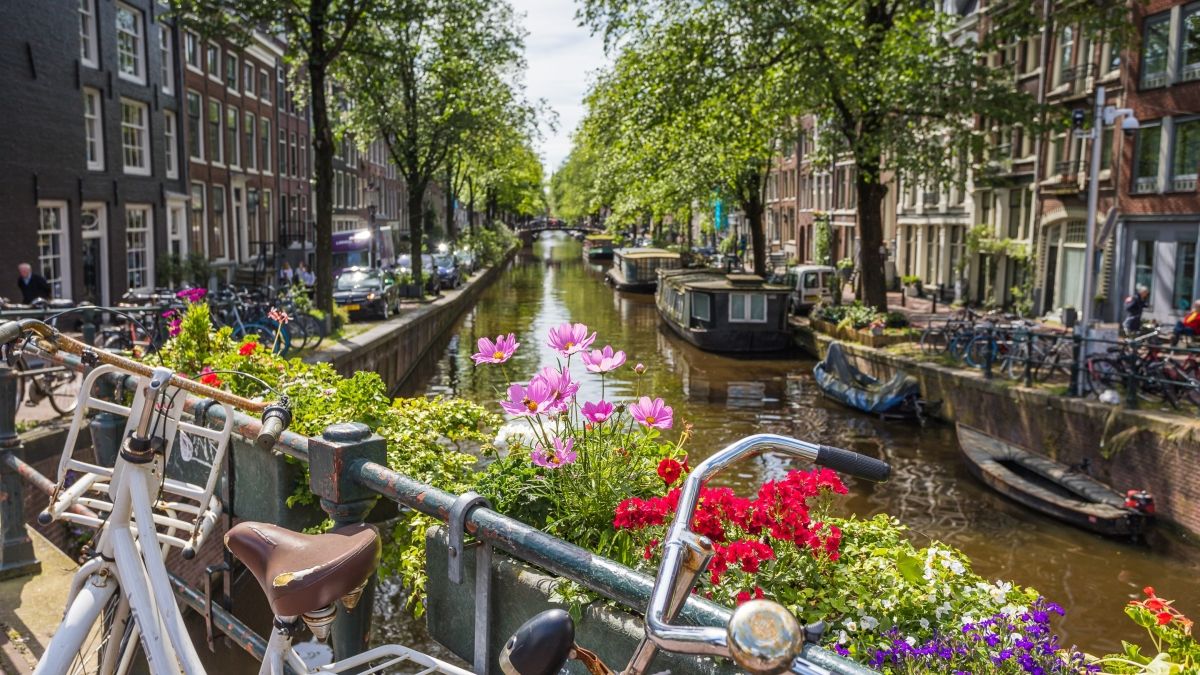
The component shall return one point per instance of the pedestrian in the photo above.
(285, 274)
(1190, 325)
(1134, 306)
(306, 277)
(33, 286)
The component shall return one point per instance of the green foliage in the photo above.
(910, 280)
(857, 315)
(981, 239)
(823, 241)
(490, 244)
(1170, 632)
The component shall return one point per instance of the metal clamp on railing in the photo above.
(483, 573)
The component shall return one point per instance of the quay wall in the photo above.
(1128, 449)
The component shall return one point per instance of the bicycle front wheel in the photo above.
(62, 388)
(314, 328)
(95, 637)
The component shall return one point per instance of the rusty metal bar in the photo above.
(33, 476)
(228, 624)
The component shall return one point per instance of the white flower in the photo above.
(999, 591)
(924, 623)
(843, 638)
(956, 566)
(869, 622)
(910, 640)
(851, 626)
(887, 603)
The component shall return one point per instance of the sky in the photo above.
(562, 57)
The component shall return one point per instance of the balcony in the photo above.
(1146, 185)
(1190, 72)
(1152, 80)
(1184, 183)
(1067, 168)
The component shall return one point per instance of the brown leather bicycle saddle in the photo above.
(304, 572)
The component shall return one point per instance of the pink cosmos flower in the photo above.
(496, 352)
(564, 387)
(603, 360)
(597, 412)
(652, 414)
(568, 338)
(564, 454)
(192, 294)
(639, 368)
(526, 401)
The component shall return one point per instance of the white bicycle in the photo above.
(121, 598)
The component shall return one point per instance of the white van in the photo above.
(810, 285)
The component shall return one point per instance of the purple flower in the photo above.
(564, 454)
(526, 401)
(496, 352)
(561, 384)
(568, 338)
(192, 294)
(175, 327)
(603, 360)
(652, 414)
(597, 412)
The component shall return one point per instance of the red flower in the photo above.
(1164, 618)
(1155, 605)
(669, 470)
(208, 377)
(248, 348)
(649, 551)
(1149, 590)
(745, 596)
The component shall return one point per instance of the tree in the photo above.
(318, 33)
(895, 82)
(432, 68)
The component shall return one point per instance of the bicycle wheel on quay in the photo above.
(934, 341)
(313, 327)
(979, 350)
(61, 387)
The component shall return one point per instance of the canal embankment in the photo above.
(394, 348)
(1126, 448)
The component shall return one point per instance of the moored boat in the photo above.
(724, 312)
(1054, 488)
(598, 246)
(838, 379)
(635, 270)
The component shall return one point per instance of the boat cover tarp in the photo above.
(839, 379)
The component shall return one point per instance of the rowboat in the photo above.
(838, 379)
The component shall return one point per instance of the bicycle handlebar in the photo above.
(275, 416)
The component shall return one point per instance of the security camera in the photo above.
(1129, 125)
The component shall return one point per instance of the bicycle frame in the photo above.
(279, 652)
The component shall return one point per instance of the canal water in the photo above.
(725, 398)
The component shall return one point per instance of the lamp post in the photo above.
(1102, 116)
(372, 208)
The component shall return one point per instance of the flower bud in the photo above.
(639, 368)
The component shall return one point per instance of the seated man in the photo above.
(1190, 325)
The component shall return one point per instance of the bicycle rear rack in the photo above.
(184, 513)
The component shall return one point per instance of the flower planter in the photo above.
(410, 290)
(520, 591)
(862, 337)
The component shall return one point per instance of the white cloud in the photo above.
(562, 58)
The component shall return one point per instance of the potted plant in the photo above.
(912, 282)
(877, 326)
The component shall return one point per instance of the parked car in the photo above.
(810, 285)
(362, 291)
(449, 273)
(467, 261)
(404, 268)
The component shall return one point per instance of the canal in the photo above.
(726, 398)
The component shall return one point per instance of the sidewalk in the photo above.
(32, 606)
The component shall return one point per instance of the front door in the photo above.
(95, 280)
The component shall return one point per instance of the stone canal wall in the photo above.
(393, 348)
(1145, 449)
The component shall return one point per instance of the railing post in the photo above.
(1029, 358)
(330, 458)
(1076, 354)
(16, 548)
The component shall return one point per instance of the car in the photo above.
(449, 273)
(363, 291)
(404, 268)
(468, 261)
(810, 285)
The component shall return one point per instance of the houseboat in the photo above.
(635, 270)
(598, 246)
(724, 312)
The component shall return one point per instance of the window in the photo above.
(232, 147)
(1032, 57)
(213, 60)
(135, 137)
(87, 33)
(139, 247)
(215, 144)
(52, 250)
(93, 130)
(747, 308)
(1143, 266)
(191, 43)
(248, 78)
(264, 135)
(195, 128)
(251, 141)
(1189, 44)
(267, 205)
(1185, 155)
(702, 306)
(231, 71)
(1110, 59)
(216, 230)
(957, 246)
(1016, 213)
(1106, 146)
(1155, 47)
(1145, 159)
(131, 56)
(1185, 275)
(166, 59)
(293, 165)
(197, 224)
(303, 157)
(1066, 56)
(282, 152)
(170, 135)
(264, 86)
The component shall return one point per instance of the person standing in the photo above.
(33, 286)
(285, 274)
(306, 277)
(1134, 306)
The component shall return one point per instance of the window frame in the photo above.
(747, 316)
(89, 50)
(213, 61)
(265, 141)
(250, 134)
(1151, 81)
(1174, 178)
(198, 134)
(139, 51)
(248, 83)
(166, 49)
(171, 143)
(147, 230)
(233, 156)
(198, 202)
(63, 256)
(264, 87)
(193, 58)
(1191, 10)
(93, 126)
(1138, 147)
(232, 66)
(222, 226)
(707, 306)
(143, 137)
(216, 145)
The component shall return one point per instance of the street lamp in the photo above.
(372, 207)
(1103, 116)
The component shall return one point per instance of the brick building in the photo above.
(93, 190)
(294, 215)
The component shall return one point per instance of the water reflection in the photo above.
(726, 398)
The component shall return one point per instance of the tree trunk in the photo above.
(490, 205)
(323, 150)
(451, 233)
(416, 216)
(870, 233)
(471, 205)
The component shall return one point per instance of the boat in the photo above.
(635, 270)
(1054, 488)
(840, 380)
(721, 312)
(598, 246)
